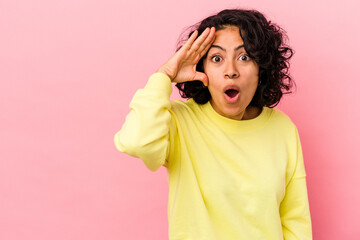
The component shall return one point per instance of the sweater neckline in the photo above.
(237, 125)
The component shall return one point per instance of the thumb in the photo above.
(202, 77)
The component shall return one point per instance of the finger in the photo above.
(203, 49)
(208, 42)
(199, 41)
(202, 77)
(190, 41)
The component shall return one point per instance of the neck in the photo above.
(251, 112)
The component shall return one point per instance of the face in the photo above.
(233, 75)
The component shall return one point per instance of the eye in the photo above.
(244, 57)
(216, 59)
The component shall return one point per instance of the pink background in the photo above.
(68, 70)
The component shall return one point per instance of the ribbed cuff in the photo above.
(160, 81)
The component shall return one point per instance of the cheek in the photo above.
(213, 78)
(208, 71)
(251, 86)
(213, 88)
(252, 77)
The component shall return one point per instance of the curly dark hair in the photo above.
(263, 42)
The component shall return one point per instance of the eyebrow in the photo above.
(221, 48)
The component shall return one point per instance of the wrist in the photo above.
(164, 71)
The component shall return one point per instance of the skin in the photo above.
(230, 68)
(181, 67)
(227, 65)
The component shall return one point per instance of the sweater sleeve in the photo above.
(294, 209)
(145, 133)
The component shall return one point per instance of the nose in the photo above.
(230, 70)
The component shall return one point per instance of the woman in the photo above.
(234, 163)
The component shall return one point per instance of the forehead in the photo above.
(228, 36)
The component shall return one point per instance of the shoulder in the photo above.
(281, 117)
(281, 122)
(179, 106)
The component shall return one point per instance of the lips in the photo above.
(231, 94)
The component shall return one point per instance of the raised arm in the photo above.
(145, 133)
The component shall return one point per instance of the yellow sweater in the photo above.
(228, 179)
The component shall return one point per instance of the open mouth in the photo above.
(231, 93)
